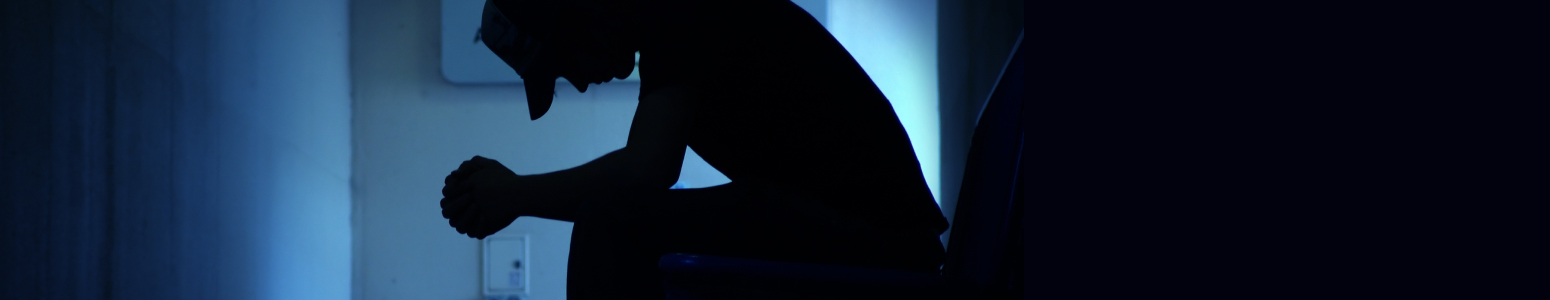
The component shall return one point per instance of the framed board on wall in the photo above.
(464, 61)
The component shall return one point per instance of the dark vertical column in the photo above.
(193, 200)
(142, 150)
(25, 33)
(53, 154)
(79, 203)
(951, 74)
(974, 39)
(103, 150)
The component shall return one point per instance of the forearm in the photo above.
(562, 194)
(650, 160)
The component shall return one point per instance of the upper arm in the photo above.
(659, 134)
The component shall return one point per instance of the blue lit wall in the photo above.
(281, 90)
(895, 41)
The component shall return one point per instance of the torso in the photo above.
(784, 106)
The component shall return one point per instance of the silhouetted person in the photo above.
(821, 168)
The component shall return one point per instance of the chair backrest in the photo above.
(985, 248)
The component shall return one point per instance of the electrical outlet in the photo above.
(506, 266)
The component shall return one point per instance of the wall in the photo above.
(174, 149)
(281, 90)
(412, 127)
(895, 42)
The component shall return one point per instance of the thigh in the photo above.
(739, 221)
(717, 220)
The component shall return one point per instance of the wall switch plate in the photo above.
(506, 266)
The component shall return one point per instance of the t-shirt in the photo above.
(783, 105)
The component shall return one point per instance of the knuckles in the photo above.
(462, 185)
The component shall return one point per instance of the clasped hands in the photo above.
(479, 198)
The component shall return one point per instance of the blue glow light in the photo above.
(895, 41)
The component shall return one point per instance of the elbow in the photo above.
(662, 181)
(660, 176)
(653, 180)
(655, 176)
(654, 172)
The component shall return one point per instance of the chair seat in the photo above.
(689, 276)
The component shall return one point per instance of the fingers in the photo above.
(477, 230)
(453, 223)
(471, 164)
(454, 196)
(456, 176)
(467, 167)
(452, 190)
(476, 163)
(486, 226)
(459, 212)
(452, 207)
(457, 182)
(466, 219)
(457, 204)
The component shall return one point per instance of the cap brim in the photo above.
(540, 94)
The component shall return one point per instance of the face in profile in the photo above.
(572, 42)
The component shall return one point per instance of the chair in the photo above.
(984, 254)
